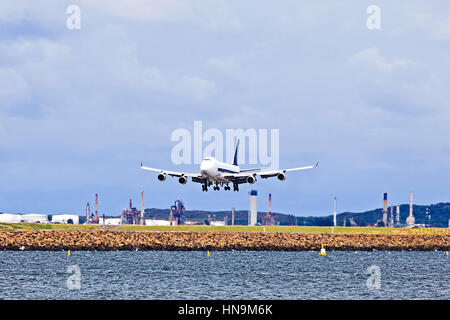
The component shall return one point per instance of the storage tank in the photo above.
(66, 219)
(35, 218)
(10, 218)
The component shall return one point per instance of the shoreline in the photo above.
(112, 240)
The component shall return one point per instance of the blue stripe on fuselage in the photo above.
(226, 170)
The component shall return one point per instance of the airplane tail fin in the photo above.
(235, 161)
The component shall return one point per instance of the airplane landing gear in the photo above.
(227, 187)
(204, 187)
(235, 187)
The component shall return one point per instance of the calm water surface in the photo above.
(223, 275)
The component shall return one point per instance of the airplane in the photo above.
(213, 171)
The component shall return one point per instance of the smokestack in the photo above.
(270, 203)
(142, 207)
(88, 212)
(397, 217)
(170, 217)
(232, 216)
(391, 217)
(410, 204)
(334, 212)
(252, 213)
(410, 221)
(96, 208)
(385, 209)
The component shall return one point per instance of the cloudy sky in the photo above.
(79, 109)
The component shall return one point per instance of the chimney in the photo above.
(232, 216)
(142, 207)
(385, 210)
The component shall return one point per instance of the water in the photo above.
(223, 275)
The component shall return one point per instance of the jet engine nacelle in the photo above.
(251, 180)
(281, 176)
(182, 180)
(162, 177)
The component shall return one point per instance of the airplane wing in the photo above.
(273, 173)
(171, 173)
(245, 177)
(196, 177)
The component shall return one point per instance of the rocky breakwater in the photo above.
(145, 240)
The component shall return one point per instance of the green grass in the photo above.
(46, 226)
(300, 229)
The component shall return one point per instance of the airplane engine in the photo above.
(251, 180)
(182, 180)
(281, 176)
(162, 177)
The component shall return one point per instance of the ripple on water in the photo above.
(224, 275)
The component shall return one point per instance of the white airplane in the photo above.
(213, 171)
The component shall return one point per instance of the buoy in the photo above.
(68, 253)
(208, 253)
(322, 252)
(22, 248)
(446, 253)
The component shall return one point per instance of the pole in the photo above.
(334, 215)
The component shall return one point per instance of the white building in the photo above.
(66, 218)
(35, 218)
(217, 223)
(10, 218)
(252, 213)
(155, 222)
(111, 221)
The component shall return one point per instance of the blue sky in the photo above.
(79, 109)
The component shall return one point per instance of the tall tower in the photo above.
(391, 218)
(95, 220)
(410, 221)
(252, 213)
(397, 217)
(385, 212)
(232, 216)
(334, 213)
(88, 212)
(142, 208)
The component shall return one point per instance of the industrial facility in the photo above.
(269, 219)
(175, 215)
(131, 215)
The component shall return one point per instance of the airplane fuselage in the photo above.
(215, 170)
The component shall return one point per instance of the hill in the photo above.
(440, 215)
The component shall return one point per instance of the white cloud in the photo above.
(441, 30)
(371, 57)
(227, 66)
(196, 87)
(13, 88)
(212, 14)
